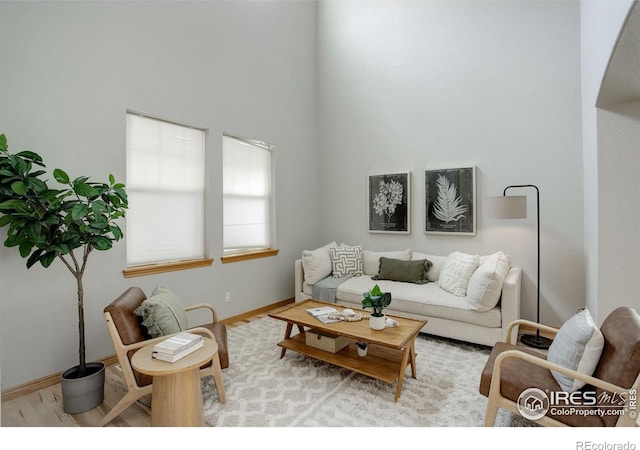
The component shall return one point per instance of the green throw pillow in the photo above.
(413, 271)
(162, 313)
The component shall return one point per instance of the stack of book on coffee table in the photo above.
(177, 347)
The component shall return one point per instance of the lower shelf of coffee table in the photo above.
(380, 363)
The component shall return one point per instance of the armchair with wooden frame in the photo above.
(511, 369)
(128, 335)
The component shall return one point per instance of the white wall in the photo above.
(600, 25)
(618, 130)
(619, 194)
(69, 71)
(409, 85)
(402, 85)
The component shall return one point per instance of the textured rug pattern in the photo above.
(265, 391)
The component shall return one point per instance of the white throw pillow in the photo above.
(438, 261)
(346, 261)
(456, 272)
(371, 260)
(317, 263)
(485, 285)
(577, 346)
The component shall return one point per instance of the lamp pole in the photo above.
(536, 341)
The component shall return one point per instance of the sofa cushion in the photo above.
(577, 346)
(412, 271)
(456, 272)
(371, 260)
(346, 261)
(485, 285)
(351, 291)
(162, 313)
(437, 262)
(317, 263)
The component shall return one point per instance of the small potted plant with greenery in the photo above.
(46, 224)
(377, 300)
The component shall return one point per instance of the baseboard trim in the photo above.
(50, 380)
(256, 312)
(44, 382)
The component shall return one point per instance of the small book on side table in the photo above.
(177, 344)
(177, 356)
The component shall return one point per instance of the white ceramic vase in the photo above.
(377, 323)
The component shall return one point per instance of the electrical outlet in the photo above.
(227, 297)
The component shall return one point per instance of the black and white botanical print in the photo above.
(450, 201)
(389, 203)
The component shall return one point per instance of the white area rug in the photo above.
(297, 391)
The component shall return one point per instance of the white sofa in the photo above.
(461, 317)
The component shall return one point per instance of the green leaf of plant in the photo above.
(3, 142)
(61, 176)
(116, 231)
(121, 193)
(100, 223)
(18, 165)
(84, 190)
(19, 187)
(35, 256)
(98, 207)
(25, 249)
(4, 220)
(47, 259)
(79, 211)
(112, 179)
(36, 184)
(101, 243)
(32, 156)
(11, 205)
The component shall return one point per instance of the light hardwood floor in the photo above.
(43, 408)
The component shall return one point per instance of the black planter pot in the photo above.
(82, 393)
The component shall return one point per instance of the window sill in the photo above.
(150, 269)
(249, 255)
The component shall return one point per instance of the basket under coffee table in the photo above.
(391, 350)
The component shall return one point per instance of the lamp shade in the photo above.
(506, 207)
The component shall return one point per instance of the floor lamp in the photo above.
(515, 207)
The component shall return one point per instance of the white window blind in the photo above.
(165, 184)
(247, 195)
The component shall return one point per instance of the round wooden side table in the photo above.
(176, 395)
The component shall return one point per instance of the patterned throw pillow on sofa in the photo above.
(347, 261)
(456, 272)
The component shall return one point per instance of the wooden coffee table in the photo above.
(390, 350)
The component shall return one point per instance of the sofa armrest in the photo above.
(510, 301)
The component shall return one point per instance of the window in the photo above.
(165, 184)
(247, 198)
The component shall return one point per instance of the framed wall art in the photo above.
(389, 203)
(450, 201)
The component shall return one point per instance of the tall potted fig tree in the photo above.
(66, 223)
